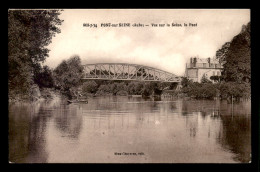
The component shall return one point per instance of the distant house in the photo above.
(197, 67)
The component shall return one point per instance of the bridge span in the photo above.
(125, 71)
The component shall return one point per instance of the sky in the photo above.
(167, 48)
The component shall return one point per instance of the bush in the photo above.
(205, 90)
(204, 79)
(237, 90)
(216, 78)
(121, 93)
(89, 87)
(135, 88)
(209, 91)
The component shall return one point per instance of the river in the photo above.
(120, 129)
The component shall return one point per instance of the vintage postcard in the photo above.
(129, 85)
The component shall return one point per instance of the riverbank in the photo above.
(38, 95)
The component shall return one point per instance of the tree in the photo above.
(104, 89)
(90, 87)
(44, 78)
(208, 91)
(135, 87)
(238, 64)
(205, 80)
(229, 89)
(216, 78)
(185, 82)
(68, 74)
(222, 53)
(147, 89)
(29, 32)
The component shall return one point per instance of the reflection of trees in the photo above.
(18, 133)
(236, 132)
(69, 121)
(203, 114)
(27, 129)
(27, 125)
(173, 107)
(184, 108)
(236, 136)
(192, 124)
(37, 137)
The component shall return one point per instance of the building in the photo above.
(197, 67)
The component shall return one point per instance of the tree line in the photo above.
(67, 77)
(30, 31)
(235, 79)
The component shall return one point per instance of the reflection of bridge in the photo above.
(124, 71)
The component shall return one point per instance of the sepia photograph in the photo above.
(129, 86)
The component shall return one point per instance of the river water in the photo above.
(117, 129)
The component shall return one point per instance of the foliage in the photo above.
(204, 90)
(237, 67)
(124, 88)
(29, 32)
(216, 78)
(201, 90)
(236, 75)
(207, 90)
(68, 73)
(222, 52)
(147, 89)
(135, 88)
(122, 93)
(103, 89)
(108, 87)
(44, 78)
(204, 79)
(89, 87)
(118, 87)
(185, 82)
(154, 88)
(229, 89)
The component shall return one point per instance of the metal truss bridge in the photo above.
(125, 71)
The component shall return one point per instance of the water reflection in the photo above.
(236, 136)
(166, 130)
(18, 133)
(68, 120)
(27, 127)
